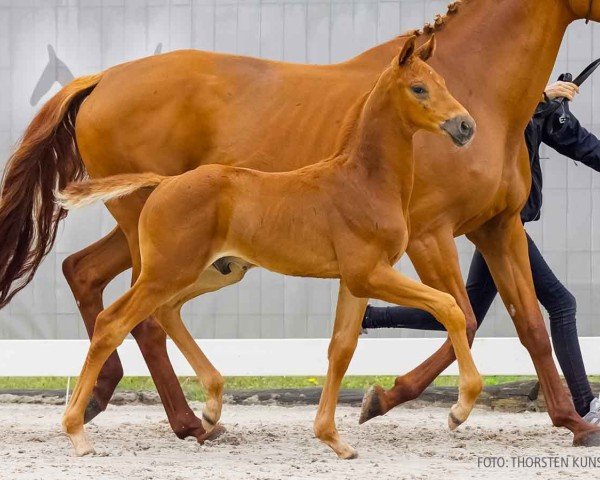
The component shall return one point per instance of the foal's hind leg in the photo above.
(112, 326)
(346, 330)
(169, 318)
(88, 272)
(387, 284)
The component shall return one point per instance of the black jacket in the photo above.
(559, 129)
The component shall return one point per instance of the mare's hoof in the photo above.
(587, 439)
(215, 433)
(371, 405)
(92, 410)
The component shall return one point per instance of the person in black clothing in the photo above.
(559, 129)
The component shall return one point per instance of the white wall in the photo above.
(90, 35)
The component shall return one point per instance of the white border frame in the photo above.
(270, 357)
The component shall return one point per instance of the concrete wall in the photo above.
(90, 35)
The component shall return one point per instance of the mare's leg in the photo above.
(387, 284)
(112, 326)
(503, 243)
(436, 261)
(562, 308)
(346, 330)
(88, 272)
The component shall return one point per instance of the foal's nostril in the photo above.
(460, 128)
(465, 128)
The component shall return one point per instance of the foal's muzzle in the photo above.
(461, 129)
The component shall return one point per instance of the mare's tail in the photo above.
(46, 159)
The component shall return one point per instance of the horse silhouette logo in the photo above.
(57, 71)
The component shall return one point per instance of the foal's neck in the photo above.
(380, 143)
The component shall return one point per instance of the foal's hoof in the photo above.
(215, 433)
(92, 410)
(81, 444)
(371, 405)
(454, 420)
(348, 454)
(587, 439)
(83, 451)
(208, 423)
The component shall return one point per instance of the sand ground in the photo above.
(271, 442)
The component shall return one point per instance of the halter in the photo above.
(589, 12)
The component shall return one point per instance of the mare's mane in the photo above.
(439, 21)
(350, 121)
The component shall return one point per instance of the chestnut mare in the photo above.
(344, 217)
(170, 113)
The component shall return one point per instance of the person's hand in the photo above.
(561, 89)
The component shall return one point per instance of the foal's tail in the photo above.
(80, 194)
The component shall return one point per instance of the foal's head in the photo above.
(421, 98)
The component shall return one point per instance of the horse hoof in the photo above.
(453, 421)
(587, 439)
(92, 410)
(81, 444)
(371, 405)
(207, 422)
(350, 454)
(215, 433)
(82, 452)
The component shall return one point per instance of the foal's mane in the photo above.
(350, 122)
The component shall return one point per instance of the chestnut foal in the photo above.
(344, 217)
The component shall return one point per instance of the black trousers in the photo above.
(551, 293)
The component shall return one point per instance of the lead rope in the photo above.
(589, 12)
(67, 391)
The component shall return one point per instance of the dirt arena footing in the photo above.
(508, 397)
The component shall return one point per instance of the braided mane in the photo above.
(439, 21)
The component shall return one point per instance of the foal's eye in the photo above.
(419, 90)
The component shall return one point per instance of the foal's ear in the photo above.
(408, 50)
(427, 49)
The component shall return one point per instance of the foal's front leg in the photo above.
(346, 331)
(436, 261)
(385, 283)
